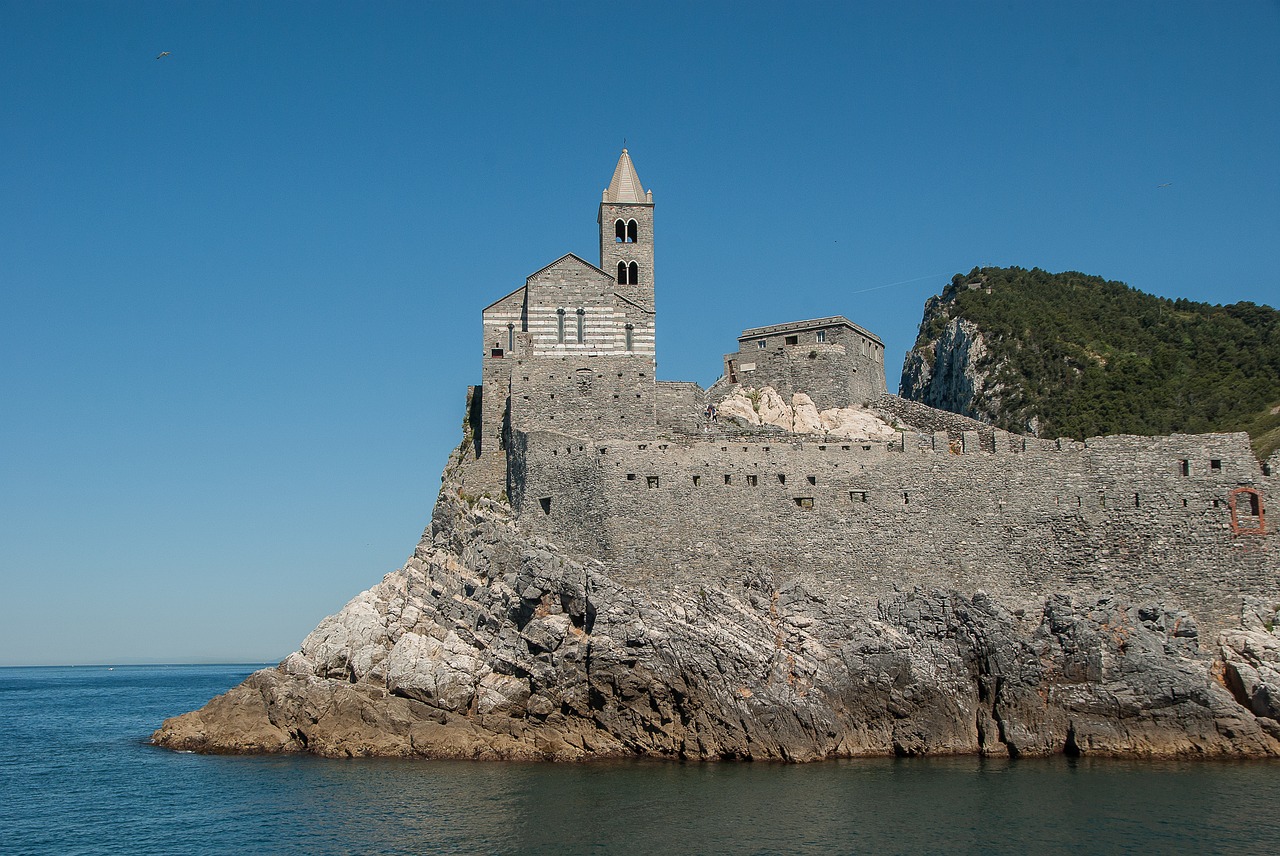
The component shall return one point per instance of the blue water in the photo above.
(77, 776)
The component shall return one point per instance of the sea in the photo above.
(77, 775)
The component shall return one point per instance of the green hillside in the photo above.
(1086, 356)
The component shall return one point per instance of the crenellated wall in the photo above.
(858, 519)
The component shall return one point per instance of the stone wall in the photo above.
(584, 395)
(681, 406)
(924, 418)
(833, 364)
(860, 519)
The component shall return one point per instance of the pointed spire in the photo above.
(625, 186)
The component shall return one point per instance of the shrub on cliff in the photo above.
(1078, 355)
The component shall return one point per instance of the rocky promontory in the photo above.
(490, 643)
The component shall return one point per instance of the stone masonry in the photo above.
(602, 459)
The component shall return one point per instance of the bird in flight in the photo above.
(1166, 184)
(162, 55)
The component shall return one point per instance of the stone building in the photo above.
(573, 348)
(598, 456)
(832, 360)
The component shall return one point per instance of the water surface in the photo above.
(77, 776)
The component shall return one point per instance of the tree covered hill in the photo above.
(1072, 355)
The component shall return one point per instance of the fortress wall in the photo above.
(562, 461)
(929, 419)
(681, 405)
(854, 519)
(584, 395)
(503, 341)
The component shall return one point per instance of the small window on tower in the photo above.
(619, 232)
(762, 344)
(791, 340)
(622, 273)
(632, 229)
(822, 335)
(633, 273)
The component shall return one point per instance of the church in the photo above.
(572, 349)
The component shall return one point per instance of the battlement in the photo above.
(601, 458)
(1182, 513)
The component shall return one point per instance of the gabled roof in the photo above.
(631, 302)
(625, 186)
(502, 298)
(576, 258)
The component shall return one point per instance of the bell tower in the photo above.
(626, 234)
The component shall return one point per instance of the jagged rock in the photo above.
(1251, 661)
(738, 407)
(764, 406)
(773, 410)
(805, 418)
(952, 372)
(490, 644)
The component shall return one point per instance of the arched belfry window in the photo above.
(560, 326)
(632, 229)
(619, 231)
(633, 273)
(582, 326)
(622, 273)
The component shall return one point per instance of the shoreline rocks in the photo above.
(491, 644)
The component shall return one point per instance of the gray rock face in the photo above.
(953, 372)
(491, 644)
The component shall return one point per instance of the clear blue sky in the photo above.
(240, 287)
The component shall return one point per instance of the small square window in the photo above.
(652, 480)
(752, 481)
(762, 344)
(822, 336)
(805, 502)
(791, 340)
(1215, 464)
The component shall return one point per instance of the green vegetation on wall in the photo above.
(1085, 356)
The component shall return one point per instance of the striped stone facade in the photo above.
(573, 348)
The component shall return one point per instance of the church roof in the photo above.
(577, 258)
(625, 186)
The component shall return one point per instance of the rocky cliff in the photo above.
(489, 643)
(1071, 355)
(954, 370)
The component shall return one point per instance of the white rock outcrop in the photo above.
(764, 406)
